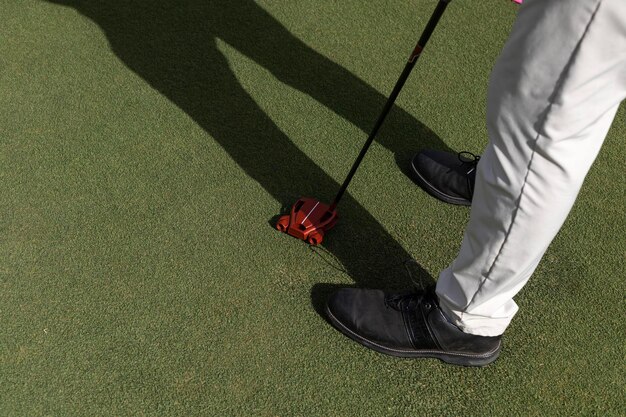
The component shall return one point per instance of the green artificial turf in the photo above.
(145, 147)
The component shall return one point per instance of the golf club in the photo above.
(309, 218)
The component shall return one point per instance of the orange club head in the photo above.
(308, 220)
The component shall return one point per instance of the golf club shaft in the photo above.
(428, 30)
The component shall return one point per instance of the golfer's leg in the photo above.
(552, 97)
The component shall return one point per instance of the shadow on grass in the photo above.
(172, 46)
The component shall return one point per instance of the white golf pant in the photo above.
(553, 94)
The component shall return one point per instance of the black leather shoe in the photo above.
(446, 176)
(409, 325)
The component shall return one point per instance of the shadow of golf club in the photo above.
(172, 46)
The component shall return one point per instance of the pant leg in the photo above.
(552, 96)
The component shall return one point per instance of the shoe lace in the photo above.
(469, 161)
(407, 301)
(411, 299)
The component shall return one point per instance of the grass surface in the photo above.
(146, 145)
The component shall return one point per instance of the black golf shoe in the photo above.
(446, 176)
(409, 325)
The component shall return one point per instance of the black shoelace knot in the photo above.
(469, 161)
(407, 301)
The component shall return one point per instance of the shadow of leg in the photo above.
(262, 38)
(173, 48)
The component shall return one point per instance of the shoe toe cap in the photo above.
(362, 315)
(432, 165)
(351, 305)
(442, 174)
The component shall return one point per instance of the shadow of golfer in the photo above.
(172, 46)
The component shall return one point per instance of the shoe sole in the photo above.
(430, 189)
(462, 359)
